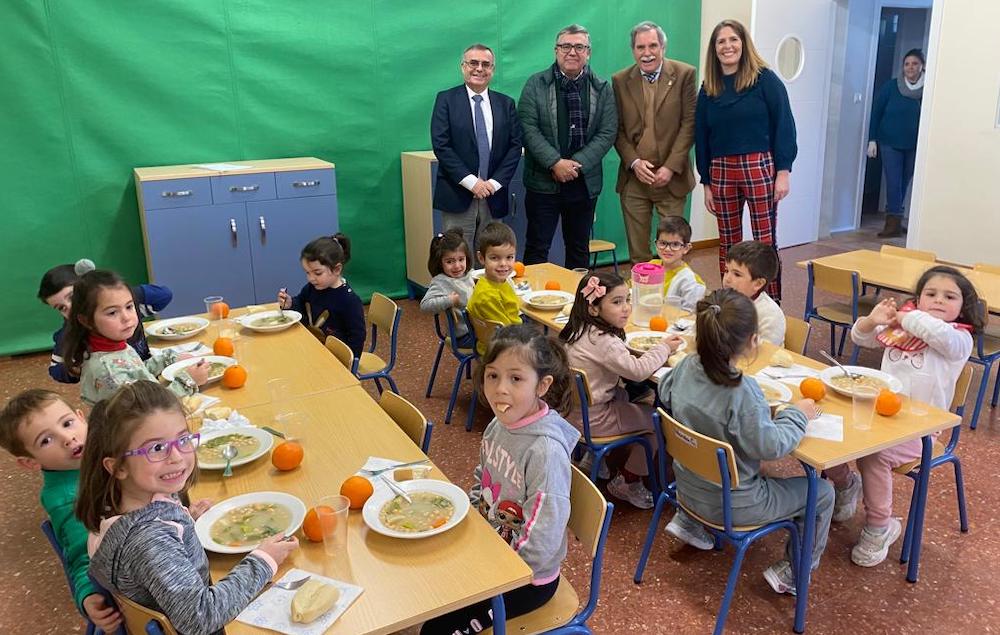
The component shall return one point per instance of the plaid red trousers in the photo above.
(745, 178)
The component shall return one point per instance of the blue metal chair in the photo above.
(465, 357)
(986, 354)
(713, 461)
(449, 340)
(589, 520)
(600, 446)
(409, 419)
(942, 455)
(837, 314)
(343, 353)
(383, 314)
(138, 618)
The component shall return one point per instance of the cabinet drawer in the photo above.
(305, 183)
(176, 193)
(237, 188)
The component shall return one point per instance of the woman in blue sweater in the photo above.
(893, 127)
(744, 140)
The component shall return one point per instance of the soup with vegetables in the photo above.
(180, 328)
(271, 320)
(215, 370)
(848, 383)
(644, 342)
(249, 524)
(548, 300)
(427, 511)
(211, 451)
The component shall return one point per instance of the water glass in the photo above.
(581, 270)
(863, 406)
(280, 390)
(332, 512)
(210, 303)
(922, 387)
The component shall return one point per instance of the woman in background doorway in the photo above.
(893, 128)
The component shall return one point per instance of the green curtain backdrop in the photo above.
(95, 88)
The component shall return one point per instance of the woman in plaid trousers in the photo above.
(744, 140)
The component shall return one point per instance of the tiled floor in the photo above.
(682, 586)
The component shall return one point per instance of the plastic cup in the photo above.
(229, 328)
(332, 512)
(280, 390)
(922, 386)
(581, 270)
(210, 302)
(863, 407)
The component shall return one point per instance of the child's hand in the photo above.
(104, 617)
(674, 342)
(808, 407)
(278, 548)
(456, 300)
(884, 313)
(198, 372)
(200, 507)
(284, 300)
(184, 356)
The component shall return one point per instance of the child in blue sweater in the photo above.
(327, 301)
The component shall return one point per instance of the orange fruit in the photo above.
(220, 310)
(312, 526)
(234, 377)
(287, 456)
(357, 489)
(657, 323)
(223, 346)
(888, 403)
(552, 285)
(518, 269)
(812, 388)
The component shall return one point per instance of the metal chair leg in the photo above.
(647, 546)
(454, 393)
(996, 391)
(392, 384)
(434, 368)
(963, 517)
(980, 394)
(472, 410)
(734, 576)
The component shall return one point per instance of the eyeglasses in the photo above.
(566, 48)
(672, 246)
(157, 451)
(478, 64)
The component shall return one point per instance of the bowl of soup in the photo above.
(217, 365)
(640, 342)
(176, 328)
(250, 444)
(835, 379)
(548, 300)
(240, 523)
(774, 391)
(434, 507)
(269, 321)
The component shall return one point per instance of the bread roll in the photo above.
(192, 402)
(312, 600)
(218, 412)
(782, 358)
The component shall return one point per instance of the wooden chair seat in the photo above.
(837, 312)
(612, 438)
(991, 342)
(370, 363)
(463, 351)
(558, 611)
(598, 245)
(906, 468)
(716, 525)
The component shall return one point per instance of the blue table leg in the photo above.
(918, 516)
(805, 553)
(499, 616)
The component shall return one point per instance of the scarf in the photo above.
(574, 107)
(896, 337)
(908, 90)
(100, 344)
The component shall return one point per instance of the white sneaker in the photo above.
(872, 547)
(781, 577)
(587, 463)
(687, 530)
(635, 493)
(846, 501)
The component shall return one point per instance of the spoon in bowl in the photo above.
(229, 453)
(853, 376)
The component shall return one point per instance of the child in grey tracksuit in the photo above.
(450, 264)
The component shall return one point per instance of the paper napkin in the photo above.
(273, 608)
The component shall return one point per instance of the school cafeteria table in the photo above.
(405, 581)
(901, 273)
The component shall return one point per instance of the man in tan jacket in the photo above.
(656, 100)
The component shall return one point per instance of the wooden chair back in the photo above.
(915, 254)
(588, 508)
(382, 313)
(697, 452)
(341, 351)
(484, 329)
(407, 417)
(136, 617)
(836, 280)
(576, 396)
(962, 388)
(796, 334)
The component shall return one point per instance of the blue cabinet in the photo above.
(234, 233)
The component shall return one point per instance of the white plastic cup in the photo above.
(863, 406)
(210, 303)
(332, 512)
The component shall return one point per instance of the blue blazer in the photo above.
(453, 138)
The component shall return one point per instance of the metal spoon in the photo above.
(853, 376)
(281, 311)
(396, 489)
(229, 453)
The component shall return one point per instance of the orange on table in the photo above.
(224, 346)
(358, 489)
(812, 388)
(234, 377)
(287, 456)
(220, 310)
(312, 526)
(518, 269)
(888, 403)
(657, 323)
(552, 285)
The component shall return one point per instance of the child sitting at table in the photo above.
(451, 285)
(932, 336)
(493, 297)
(750, 266)
(680, 284)
(56, 290)
(102, 320)
(327, 301)
(45, 433)
(522, 482)
(139, 459)
(595, 343)
(709, 395)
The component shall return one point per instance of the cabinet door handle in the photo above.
(263, 225)
(232, 227)
(244, 188)
(177, 194)
(305, 183)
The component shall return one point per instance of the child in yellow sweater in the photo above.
(494, 298)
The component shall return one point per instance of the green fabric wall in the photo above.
(94, 88)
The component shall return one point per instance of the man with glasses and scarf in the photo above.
(570, 122)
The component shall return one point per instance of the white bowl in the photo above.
(170, 372)
(265, 440)
(777, 386)
(827, 375)
(248, 321)
(565, 298)
(455, 494)
(155, 329)
(203, 525)
(661, 334)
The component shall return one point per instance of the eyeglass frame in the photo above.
(195, 437)
(484, 64)
(566, 47)
(673, 245)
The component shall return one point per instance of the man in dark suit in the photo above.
(476, 137)
(656, 100)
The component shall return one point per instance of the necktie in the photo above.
(650, 77)
(482, 139)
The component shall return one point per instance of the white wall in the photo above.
(956, 208)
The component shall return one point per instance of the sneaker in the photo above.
(872, 547)
(846, 501)
(587, 463)
(635, 493)
(684, 528)
(781, 577)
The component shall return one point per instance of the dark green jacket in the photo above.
(537, 111)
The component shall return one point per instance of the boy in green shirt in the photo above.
(44, 433)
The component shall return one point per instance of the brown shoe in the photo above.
(893, 227)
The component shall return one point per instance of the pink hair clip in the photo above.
(594, 290)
